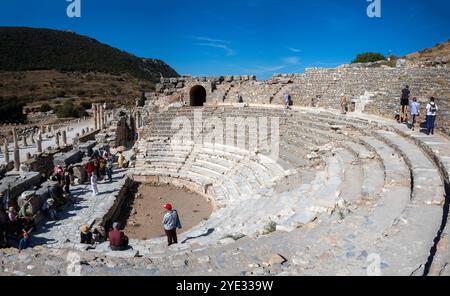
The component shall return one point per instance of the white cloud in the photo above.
(291, 60)
(216, 43)
(206, 39)
(293, 49)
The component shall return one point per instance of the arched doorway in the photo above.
(197, 96)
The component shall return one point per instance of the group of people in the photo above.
(101, 165)
(17, 218)
(16, 224)
(414, 106)
(64, 177)
(119, 241)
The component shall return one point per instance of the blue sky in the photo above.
(262, 37)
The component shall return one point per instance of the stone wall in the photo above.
(169, 86)
(18, 183)
(374, 90)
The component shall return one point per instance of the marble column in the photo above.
(64, 138)
(14, 132)
(16, 159)
(100, 117)
(94, 108)
(57, 139)
(39, 143)
(6, 150)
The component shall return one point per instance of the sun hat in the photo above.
(84, 229)
(168, 207)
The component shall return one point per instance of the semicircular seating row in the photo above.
(376, 192)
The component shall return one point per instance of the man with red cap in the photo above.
(171, 222)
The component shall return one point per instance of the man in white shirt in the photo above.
(415, 112)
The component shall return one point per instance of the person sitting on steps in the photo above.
(86, 235)
(118, 241)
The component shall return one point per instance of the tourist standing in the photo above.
(415, 112)
(404, 103)
(94, 184)
(431, 116)
(287, 101)
(67, 182)
(58, 173)
(121, 160)
(239, 98)
(344, 104)
(171, 222)
(69, 169)
(109, 168)
(182, 100)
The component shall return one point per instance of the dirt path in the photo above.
(146, 212)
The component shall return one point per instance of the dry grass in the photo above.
(36, 87)
(440, 50)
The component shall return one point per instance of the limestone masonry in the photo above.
(319, 192)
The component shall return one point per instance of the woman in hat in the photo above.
(85, 235)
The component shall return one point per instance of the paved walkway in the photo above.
(84, 210)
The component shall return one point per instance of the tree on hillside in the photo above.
(68, 109)
(11, 110)
(369, 57)
(45, 108)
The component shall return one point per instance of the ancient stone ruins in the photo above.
(304, 191)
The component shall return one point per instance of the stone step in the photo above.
(415, 230)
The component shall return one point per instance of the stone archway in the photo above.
(197, 96)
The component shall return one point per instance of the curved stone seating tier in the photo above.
(362, 188)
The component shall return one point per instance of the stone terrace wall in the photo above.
(374, 90)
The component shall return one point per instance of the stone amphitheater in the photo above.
(306, 191)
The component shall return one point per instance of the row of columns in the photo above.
(38, 142)
(100, 120)
(100, 116)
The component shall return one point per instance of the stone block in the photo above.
(87, 148)
(64, 159)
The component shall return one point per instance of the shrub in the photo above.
(369, 57)
(270, 227)
(86, 105)
(68, 109)
(45, 108)
(61, 94)
(11, 110)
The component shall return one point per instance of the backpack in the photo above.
(178, 224)
(433, 108)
